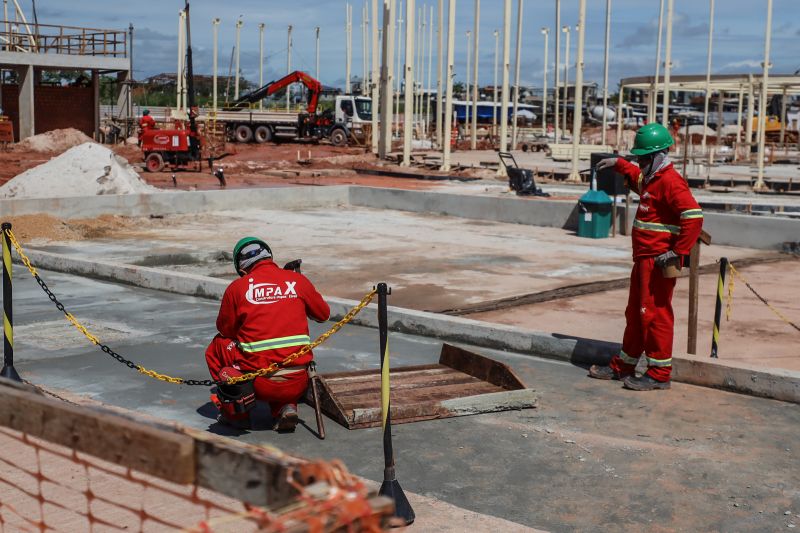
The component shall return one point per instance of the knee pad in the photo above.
(240, 397)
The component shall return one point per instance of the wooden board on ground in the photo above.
(462, 383)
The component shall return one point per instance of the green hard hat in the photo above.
(244, 242)
(651, 138)
(145, 112)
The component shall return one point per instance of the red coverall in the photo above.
(668, 218)
(147, 122)
(262, 320)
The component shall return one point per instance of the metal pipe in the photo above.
(439, 58)
(565, 29)
(546, 33)
(448, 110)
(506, 72)
(316, 31)
(239, 24)
(408, 101)
(261, 61)
(514, 126)
(667, 65)
(387, 81)
(654, 95)
(473, 140)
(577, 113)
(373, 77)
(708, 75)
(557, 84)
(466, 82)
(605, 72)
(288, 62)
(762, 102)
(215, 25)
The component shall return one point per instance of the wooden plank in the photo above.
(152, 450)
(481, 367)
(372, 371)
(461, 379)
(397, 379)
(422, 396)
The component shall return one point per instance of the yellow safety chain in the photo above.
(274, 367)
(736, 273)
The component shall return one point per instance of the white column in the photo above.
(762, 102)
(181, 55)
(514, 126)
(408, 115)
(473, 140)
(261, 61)
(215, 26)
(365, 48)
(577, 115)
(387, 79)
(748, 128)
(557, 84)
(439, 93)
(239, 24)
(373, 78)
(667, 65)
(738, 123)
(448, 108)
(506, 73)
(348, 35)
(316, 71)
(707, 94)
(565, 29)
(605, 72)
(398, 69)
(546, 33)
(494, 91)
(430, 73)
(466, 81)
(288, 62)
(652, 111)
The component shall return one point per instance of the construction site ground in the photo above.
(591, 456)
(439, 263)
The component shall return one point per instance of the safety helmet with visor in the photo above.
(247, 252)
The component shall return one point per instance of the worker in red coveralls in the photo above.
(666, 227)
(262, 320)
(147, 122)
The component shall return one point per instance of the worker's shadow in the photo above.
(260, 420)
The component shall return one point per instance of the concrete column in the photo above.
(605, 71)
(348, 30)
(448, 109)
(181, 55)
(653, 111)
(239, 24)
(494, 87)
(466, 83)
(546, 33)
(762, 102)
(748, 127)
(506, 72)
(288, 63)
(473, 141)
(387, 80)
(620, 116)
(667, 65)
(373, 77)
(96, 103)
(738, 124)
(557, 82)
(577, 115)
(260, 61)
(439, 54)
(408, 101)
(514, 126)
(430, 73)
(565, 29)
(783, 115)
(27, 123)
(708, 74)
(215, 25)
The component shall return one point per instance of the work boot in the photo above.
(241, 424)
(287, 420)
(644, 383)
(604, 372)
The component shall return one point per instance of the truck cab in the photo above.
(351, 114)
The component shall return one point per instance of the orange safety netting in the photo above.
(48, 487)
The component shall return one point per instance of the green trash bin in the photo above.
(594, 215)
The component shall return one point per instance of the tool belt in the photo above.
(242, 396)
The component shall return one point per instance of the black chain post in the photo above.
(390, 486)
(723, 269)
(8, 370)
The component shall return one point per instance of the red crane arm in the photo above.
(314, 87)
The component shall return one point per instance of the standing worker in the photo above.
(262, 320)
(667, 225)
(147, 122)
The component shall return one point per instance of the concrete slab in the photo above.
(592, 456)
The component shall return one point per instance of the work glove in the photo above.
(663, 259)
(608, 162)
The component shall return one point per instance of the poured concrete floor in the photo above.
(592, 456)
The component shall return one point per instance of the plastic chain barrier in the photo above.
(734, 274)
(274, 367)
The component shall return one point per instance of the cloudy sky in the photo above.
(738, 34)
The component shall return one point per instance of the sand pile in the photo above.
(86, 170)
(52, 141)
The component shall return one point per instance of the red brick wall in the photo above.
(54, 108)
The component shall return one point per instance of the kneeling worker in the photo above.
(262, 320)
(667, 225)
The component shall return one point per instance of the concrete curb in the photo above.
(777, 384)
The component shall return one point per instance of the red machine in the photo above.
(314, 89)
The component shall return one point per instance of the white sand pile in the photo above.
(52, 141)
(86, 170)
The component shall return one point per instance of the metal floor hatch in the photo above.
(462, 383)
